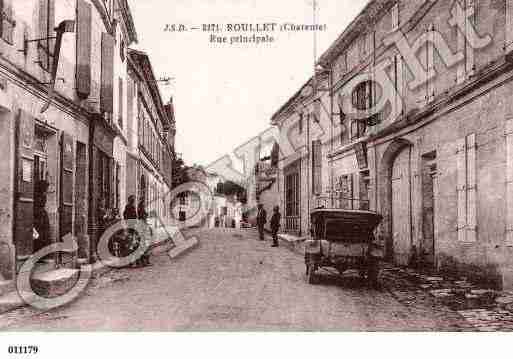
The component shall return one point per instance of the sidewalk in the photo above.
(54, 282)
(484, 309)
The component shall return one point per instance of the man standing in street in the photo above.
(261, 221)
(275, 225)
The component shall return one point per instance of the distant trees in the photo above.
(180, 175)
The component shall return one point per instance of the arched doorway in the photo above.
(395, 198)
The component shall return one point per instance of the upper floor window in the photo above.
(365, 45)
(362, 96)
(300, 124)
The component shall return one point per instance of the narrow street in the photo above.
(231, 282)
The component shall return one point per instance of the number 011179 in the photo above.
(22, 349)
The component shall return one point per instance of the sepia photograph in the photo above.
(253, 167)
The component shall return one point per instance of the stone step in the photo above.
(10, 301)
(183, 248)
(54, 283)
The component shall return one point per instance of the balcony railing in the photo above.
(293, 224)
(342, 203)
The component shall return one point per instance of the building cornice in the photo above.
(32, 85)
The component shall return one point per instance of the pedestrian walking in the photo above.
(261, 221)
(275, 225)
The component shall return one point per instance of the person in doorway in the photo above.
(275, 225)
(130, 240)
(144, 261)
(261, 221)
(41, 219)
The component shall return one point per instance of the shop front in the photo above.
(101, 182)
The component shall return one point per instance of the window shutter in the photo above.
(84, 28)
(509, 26)
(460, 48)
(120, 103)
(8, 22)
(399, 80)
(431, 64)
(461, 190)
(130, 111)
(317, 166)
(46, 30)
(67, 170)
(471, 188)
(509, 182)
(107, 75)
(24, 213)
(469, 64)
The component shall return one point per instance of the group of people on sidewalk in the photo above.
(275, 224)
(131, 239)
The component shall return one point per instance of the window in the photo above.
(292, 195)
(365, 45)
(317, 167)
(300, 124)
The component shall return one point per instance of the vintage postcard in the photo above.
(255, 166)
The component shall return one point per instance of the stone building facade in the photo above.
(436, 159)
(66, 149)
(151, 153)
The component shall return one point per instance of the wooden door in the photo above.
(81, 178)
(24, 195)
(401, 208)
(428, 213)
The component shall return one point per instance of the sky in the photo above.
(224, 95)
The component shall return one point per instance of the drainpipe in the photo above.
(332, 108)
